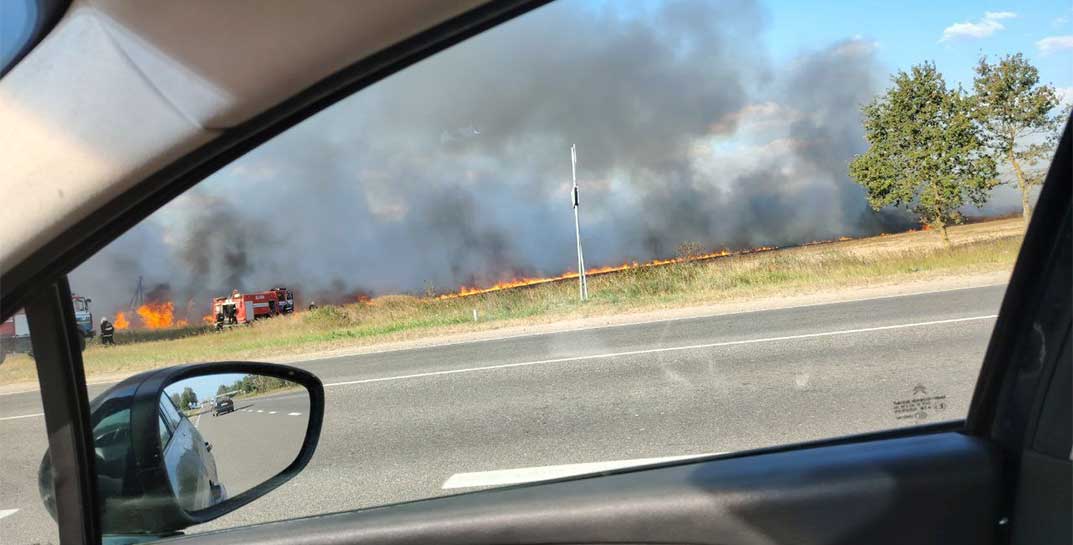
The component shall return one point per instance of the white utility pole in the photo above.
(583, 285)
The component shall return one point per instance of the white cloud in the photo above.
(754, 118)
(1051, 44)
(980, 29)
(856, 47)
(1065, 95)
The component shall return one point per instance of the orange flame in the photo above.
(121, 321)
(157, 315)
(208, 319)
(466, 291)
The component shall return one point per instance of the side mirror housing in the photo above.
(184, 445)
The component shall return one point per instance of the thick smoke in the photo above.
(457, 170)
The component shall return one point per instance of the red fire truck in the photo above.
(244, 308)
(15, 331)
(14, 335)
(285, 300)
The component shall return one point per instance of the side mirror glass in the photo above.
(224, 434)
(184, 445)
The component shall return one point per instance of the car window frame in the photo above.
(168, 407)
(164, 427)
(54, 259)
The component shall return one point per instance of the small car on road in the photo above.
(223, 405)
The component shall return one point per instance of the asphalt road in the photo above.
(417, 423)
(258, 440)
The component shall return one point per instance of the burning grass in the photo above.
(907, 257)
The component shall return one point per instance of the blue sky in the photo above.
(911, 31)
(205, 386)
(16, 21)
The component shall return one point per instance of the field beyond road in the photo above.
(979, 250)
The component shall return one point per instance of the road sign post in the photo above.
(583, 286)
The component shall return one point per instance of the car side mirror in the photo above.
(184, 445)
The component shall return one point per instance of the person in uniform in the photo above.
(107, 332)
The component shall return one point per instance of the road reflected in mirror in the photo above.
(224, 434)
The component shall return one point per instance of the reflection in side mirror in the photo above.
(184, 445)
(227, 433)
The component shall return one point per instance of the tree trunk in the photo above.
(939, 222)
(1026, 208)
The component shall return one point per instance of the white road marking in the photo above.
(644, 322)
(543, 473)
(7, 512)
(603, 326)
(198, 420)
(260, 410)
(294, 414)
(271, 412)
(21, 416)
(96, 383)
(659, 350)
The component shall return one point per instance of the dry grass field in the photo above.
(906, 257)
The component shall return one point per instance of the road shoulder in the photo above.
(825, 297)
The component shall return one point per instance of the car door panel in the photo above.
(1042, 510)
(938, 488)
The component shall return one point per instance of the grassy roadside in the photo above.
(978, 248)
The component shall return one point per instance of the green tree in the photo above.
(926, 153)
(187, 397)
(1015, 112)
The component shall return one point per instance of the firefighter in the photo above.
(107, 332)
(312, 306)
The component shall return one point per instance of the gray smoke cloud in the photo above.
(457, 170)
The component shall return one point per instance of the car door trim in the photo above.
(58, 355)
